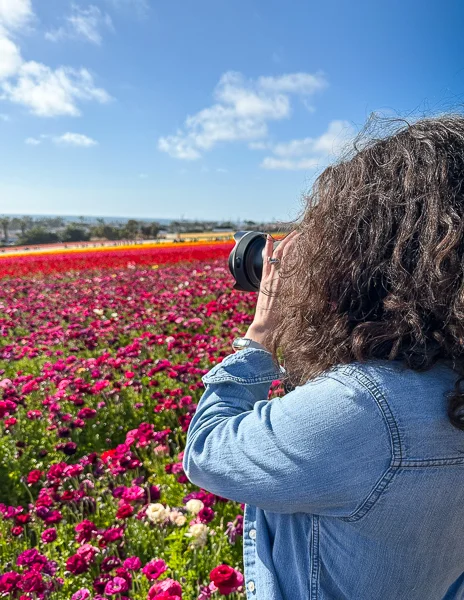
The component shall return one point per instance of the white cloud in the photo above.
(15, 13)
(309, 153)
(49, 93)
(10, 57)
(32, 141)
(221, 170)
(44, 91)
(75, 139)
(289, 165)
(242, 111)
(83, 23)
(294, 83)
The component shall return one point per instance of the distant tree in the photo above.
(25, 223)
(131, 229)
(75, 234)
(110, 232)
(5, 223)
(226, 225)
(14, 225)
(151, 230)
(39, 235)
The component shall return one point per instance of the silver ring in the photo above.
(273, 261)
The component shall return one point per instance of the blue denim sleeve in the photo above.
(319, 449)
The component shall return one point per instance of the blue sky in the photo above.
(209, 109)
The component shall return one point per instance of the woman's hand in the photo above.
(266, 317)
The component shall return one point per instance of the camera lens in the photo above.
(246, 260)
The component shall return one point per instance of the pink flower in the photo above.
(87, 552)
(32, 582)
(133, 563)
(85, 531)
(168, 588)
(48, 536)
(9, 582)
(118, 585)
(154, 569)
(82, 594)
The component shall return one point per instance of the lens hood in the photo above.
(246, 260)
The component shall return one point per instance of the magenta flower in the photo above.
(133, 563)
(165, 589)
(154, 569)
(49, 535)
(85, 531)
(77, 564)
(82, 594)
(118, 585)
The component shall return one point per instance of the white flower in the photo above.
(157, 513)
(98, 311)
(199, 533)
(177, 518)
(194, 506)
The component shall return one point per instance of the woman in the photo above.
(353, 482)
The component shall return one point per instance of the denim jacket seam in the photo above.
(431, 462)
(395, 442)
(267, 377)
(314, 567)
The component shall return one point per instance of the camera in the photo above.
(246, 260)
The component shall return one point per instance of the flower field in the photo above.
(101, 359)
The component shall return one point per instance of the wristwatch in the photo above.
(242, 343)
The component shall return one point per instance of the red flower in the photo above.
(226, 579)
(85, 531)
(124, 511)
(34, 476)
(76, 564)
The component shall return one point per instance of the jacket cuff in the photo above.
(247, 367)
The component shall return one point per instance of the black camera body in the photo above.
(246, 260)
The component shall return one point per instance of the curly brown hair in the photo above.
(377, 272)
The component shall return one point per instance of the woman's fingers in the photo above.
(267, 252)
(283, 248)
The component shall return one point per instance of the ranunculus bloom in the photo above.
(157, 513)
(154, 569)
(34, 476)
(49, 535)
(226, 579)
(133, 563)
(85, 531)
(82, 594)
(117, 585)
(165, 589)
(9, 582)
(77, 564)
(124, 511)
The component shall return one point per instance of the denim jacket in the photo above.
(353, 483)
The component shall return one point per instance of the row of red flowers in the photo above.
(61, 262)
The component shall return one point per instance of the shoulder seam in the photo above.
(395, 440)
